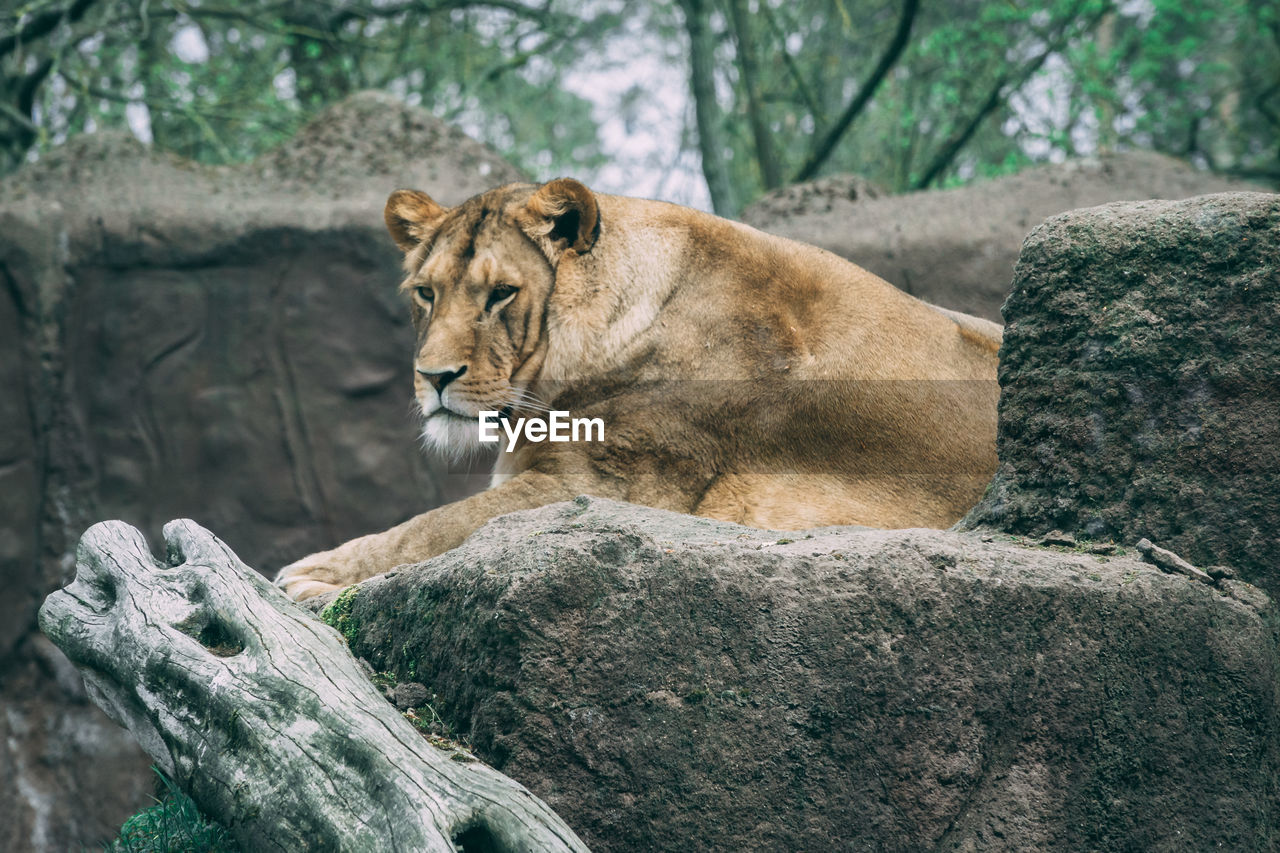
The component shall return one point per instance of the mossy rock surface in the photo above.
(667, 682)
(1140, 381)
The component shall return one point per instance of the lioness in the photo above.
(739, 375)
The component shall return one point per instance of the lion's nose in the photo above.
(442, 377)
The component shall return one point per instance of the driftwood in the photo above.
(259, 711)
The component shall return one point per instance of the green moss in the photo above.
(338, 614)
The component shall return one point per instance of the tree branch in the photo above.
(1005, 84)
(887, 60)
(793, 70)
(42, 24)
(152, 102)
(259, 712)
(542, 15)
(27, 87)
(22, 121)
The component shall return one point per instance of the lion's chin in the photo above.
(452, 435)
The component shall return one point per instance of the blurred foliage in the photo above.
(908, 94)
(223, 81)
(985, 87)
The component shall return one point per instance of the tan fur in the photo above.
(740, 376)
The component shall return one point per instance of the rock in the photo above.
(1057, 537)
(372, 143)
(1245, 592)
(410, 694)
(957, 247)
(831, 194)
(225, 343)
(28, 256)
(667, 682)
(1140, 382)
(1168, 561)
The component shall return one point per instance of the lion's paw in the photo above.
(302, 588)
(308, 577)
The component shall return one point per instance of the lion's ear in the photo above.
(412, 217)
(562, 215)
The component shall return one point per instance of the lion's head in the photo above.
(478, 279)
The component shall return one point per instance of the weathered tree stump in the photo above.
(259, 711)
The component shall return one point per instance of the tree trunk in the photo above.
(259, 711)
(766, 156)
(702, 83)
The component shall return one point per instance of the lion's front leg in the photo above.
(420, 538)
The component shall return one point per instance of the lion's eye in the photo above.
(501, 293)
(424, 294)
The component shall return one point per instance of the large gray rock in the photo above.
(957, 247)
(1140, 381)
(672, 683)
(221, 343)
